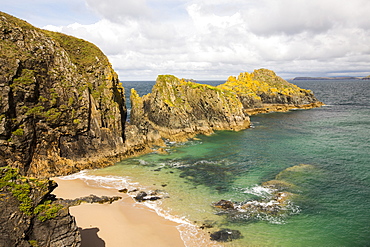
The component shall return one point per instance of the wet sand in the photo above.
(122, 223)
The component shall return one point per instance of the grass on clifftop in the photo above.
(82, 53)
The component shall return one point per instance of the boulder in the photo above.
(225, 235)
(224, 204)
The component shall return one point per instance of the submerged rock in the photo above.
(224, 204)
(278, 200)
(225, 235)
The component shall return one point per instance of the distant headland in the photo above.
(333, 78)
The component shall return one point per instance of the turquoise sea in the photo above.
(331, 206)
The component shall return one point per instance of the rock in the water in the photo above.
(143, 196)
(224, 204)
(263, 91)
(180, 109)
(225, 235)
(140, 196)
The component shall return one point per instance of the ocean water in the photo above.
(331, 202)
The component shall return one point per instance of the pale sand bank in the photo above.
(122, 223)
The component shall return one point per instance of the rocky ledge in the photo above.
(31, 216)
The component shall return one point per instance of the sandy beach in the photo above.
(122, 223)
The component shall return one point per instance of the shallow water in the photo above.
(332, 206)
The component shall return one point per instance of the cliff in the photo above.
(29, 214)
(179, 109)
(62, 107)
(264, 91)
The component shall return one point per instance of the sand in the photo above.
(122, 223)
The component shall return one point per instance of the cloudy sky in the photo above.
(213, 39)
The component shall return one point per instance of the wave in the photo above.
(108, 182)
(259, 190)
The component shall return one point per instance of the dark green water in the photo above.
(332, 207)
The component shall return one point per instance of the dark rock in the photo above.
(89, 199)
(225, 235)
(29, 216)
(123, 190)
(143, 196)
(140, 196)
(224, 204)
(152, 198)
(206, 225)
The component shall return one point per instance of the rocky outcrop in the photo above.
(62, 107)
(263, 91)
(178, 109)
(276, 198)
(30, 215)
(225, 235)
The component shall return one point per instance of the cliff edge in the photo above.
(180, 109)
(62, 107)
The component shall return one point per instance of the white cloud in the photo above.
(215, 39)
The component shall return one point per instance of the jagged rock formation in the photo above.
(62, 107)
(179, 109)
(263, 91)
(30, 216)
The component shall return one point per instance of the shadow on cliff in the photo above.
(90, 238)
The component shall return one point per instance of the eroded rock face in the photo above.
(29, 215)
(62, 107)
(179, 109)
(263, 91)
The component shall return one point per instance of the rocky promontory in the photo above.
(263, 91)
(179, 109)
(62, 107)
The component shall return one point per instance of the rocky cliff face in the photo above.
(264, 91)
(29, 215)
(179, 109)
(62, 108)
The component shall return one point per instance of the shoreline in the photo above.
(124, 221)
